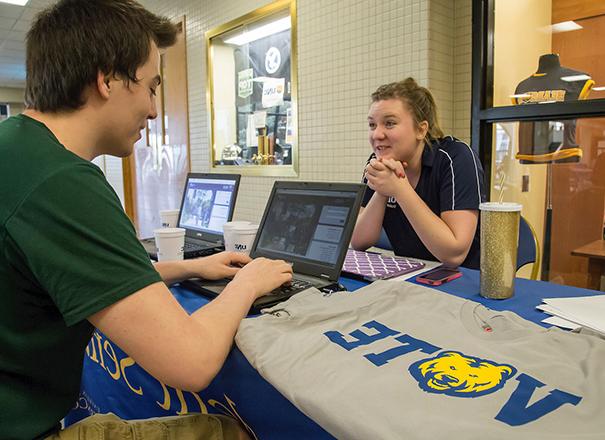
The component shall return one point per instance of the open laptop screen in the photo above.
(207, 204)
(307, 224)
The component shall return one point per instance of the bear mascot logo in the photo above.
(456, 374)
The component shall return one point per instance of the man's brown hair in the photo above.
(70, 42)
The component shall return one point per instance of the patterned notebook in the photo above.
(372, 266)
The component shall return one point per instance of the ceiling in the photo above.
(14, 24)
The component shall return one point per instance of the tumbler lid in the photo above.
(502, 207)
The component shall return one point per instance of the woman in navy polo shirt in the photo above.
(424, 188)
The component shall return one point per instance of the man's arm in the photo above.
(185, 351)
(214, 267)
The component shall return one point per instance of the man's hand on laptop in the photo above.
(262, 275)
(217, 266)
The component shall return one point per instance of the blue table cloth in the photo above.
(112, 382)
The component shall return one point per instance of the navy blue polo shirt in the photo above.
(451, 179)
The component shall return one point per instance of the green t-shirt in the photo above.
(67, 250)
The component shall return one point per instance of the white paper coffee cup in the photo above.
(227, 237)
(169, 218)
(239, 236)
(170, 243)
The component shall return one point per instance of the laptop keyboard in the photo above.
(190, 246)
(296, 285)
(201, 253)
(194, 250)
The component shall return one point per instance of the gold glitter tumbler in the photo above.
(499, 237)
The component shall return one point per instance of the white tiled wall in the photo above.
(346, 48)
(461, 119)
(440, 55)
(15, 108)
(14, 97)
(450, 53)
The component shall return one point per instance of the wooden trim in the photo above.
(567, 10)
(182, 25)
(249, 18)
(162, 102)
(129, 181)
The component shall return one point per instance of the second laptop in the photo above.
(208, 203)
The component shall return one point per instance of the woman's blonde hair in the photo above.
(418, 100)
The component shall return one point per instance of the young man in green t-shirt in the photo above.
(69, 256)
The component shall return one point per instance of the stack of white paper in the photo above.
(583, 311)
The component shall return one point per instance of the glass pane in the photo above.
(252, 93)
(545, 51)
(556, 170)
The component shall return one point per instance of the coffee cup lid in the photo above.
(169, 232)
(245, 228)
(235, 224)
(502, 207)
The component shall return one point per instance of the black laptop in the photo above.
(308, 224)
(208, 203)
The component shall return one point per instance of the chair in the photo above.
(528, 249)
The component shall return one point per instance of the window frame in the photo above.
(288, 170)
(483, 112)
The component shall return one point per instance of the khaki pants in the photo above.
(188, 427)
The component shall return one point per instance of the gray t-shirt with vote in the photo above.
(399, 361)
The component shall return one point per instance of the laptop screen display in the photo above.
(307, 224)
(206, 204)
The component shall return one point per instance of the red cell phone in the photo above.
(438, 276)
